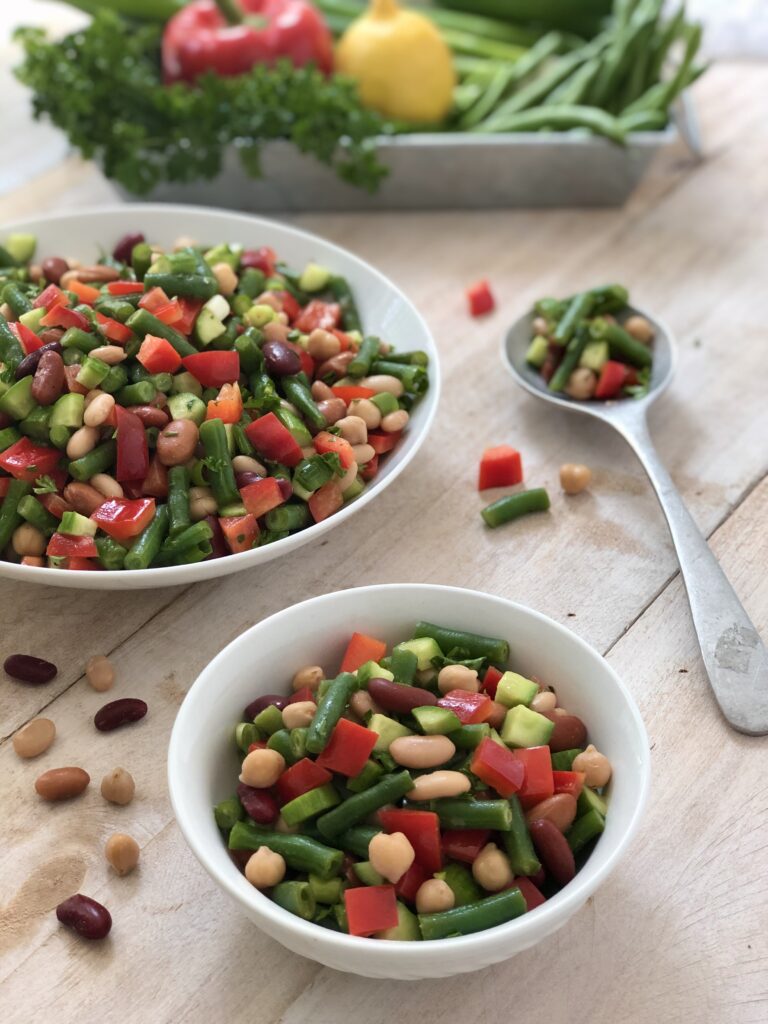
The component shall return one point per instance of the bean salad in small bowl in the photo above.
(195, 397)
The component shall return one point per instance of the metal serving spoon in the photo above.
(735, 659)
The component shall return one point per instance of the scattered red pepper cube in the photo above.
(480, 298)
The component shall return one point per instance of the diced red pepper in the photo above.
(28, 340)
(154, 299)
(227, 406)
(531, 894)
(62, 316)
(300, 778)
(348, 748)
(124, 518)
(469, 708)
(258, 745)
(157, 355)
(5, 483)
(271, 438)
(240, 532)
(304, 693)
(213, 368)
(132, 450)
(349, 392)
(86, 293)
(370, 908)
(370, 469)
(421, 829)
(55, 504)
(171, 313)
(480, 298)
(344, 339)
(318, 314)
(410, 883)
(74, 562)
(498, 767)
(500, 467)
(491, 681)
(291, 307)
(155, 483)
(263, 259)
(613, 376)
(113, 330)
(66, 545)
(190, 308)
(50, 297)
(27, 461)
(325, 442)
(325, 501)
(568, 782)
(218, 544)
(464, 844)
(362, 648)
(125, 287)
(538, 783)
(383, 443)
(262, 496)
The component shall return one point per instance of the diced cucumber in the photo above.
(355, 488)
(537, 351)
(372, 670)
(187, 406)
(208, 326)
(269, 720)
(595, 355)
(434, 721)
(92, 372)
(387, 730)
(32, 318)
(589, 800)
(406, 929)
(314, 278)
(369, 776)
(327, 891)
(185, 383)
(77, 526)
(21, 246)
(385, 402)
(246, 733)
(525, 728)
(223, 254)
(17, 401)
(219, 306)
(68, 411)
(584, 829)
(425, 649)
(35, 426)
(514, 689)
(367, 874)
(563, 760)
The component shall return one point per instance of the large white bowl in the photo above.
(383, 307)
(202, 769)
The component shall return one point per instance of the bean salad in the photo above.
(424, 792)
(161, 408)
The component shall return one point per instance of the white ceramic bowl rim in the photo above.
(568, 899)
(182, 574)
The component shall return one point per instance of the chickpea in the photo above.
(246, 464)
(276, 330)
(457, 677)
(271, 300)
(640, 329)
(118, 786)
(100, 673)
(544, 701)
(28, 540)
(299, 714)
(434, 896)
(184, 242)
(581, 384)
(383, 382)
(323, 345)
(491, 869)
(424, 676)
(575, 477)
(265, 868)
(353, 429)
(394, 422)
(362, 703)
(310, 675)
(122, 851)
(83, 440)
(363, 453)
(282, 826)
(391, 855)
(367, 410)
(262, 768)
(226, 278)
(320, 391)
(596, 766)
(540, 326)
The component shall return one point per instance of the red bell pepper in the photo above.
(325, 501)
(348, 748)
(189, 312)
(55, 504)
(125, 287)
(86, 293)
(155, 483)
(262, 496)
(538, 783)
(304, 693)
(362, 648)
(5, 483)
(383, 443)
(568, 782)
(491, 681)
(28, 340)
(227, 406)
(154, 299)
(348, 392)
(469, 708)
(531, 894)
(240, 532)
(132, 450)
(344, 339)
(464, 844)
(124, 518)
(171, 313)
(229, 39)
(409, 884)
(480, 298)
(66, 545)
(498, 767)
(500, 467)
(113, 330)
(370, 469)
(214, 368)
(318, 314)
(157, 355)
(75, 563)
(291, 308)
(27, 461)
(421, 829)
(370, 908)
(325, 442)
(613, 377)
(62, 316)
(263, 259)
(50, 297)
(271, 439)
(300, 778)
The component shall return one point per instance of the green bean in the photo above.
(563, 760)
(300, 852)
(573, 354)
(34, 512)
(474, 644)
(11, 352)
(143, 322)
(644, 121)
(193, 285)
(359, 806)
(297, 392)
(562, 118)
(117, 307)
(416, 358)
(620, 342)
(330, 709)
(615, 61)
(350, 317)
(517, 842)
(146, 547)
(459, 879)
(473, 917)
(356, 840)
(659, 96)
(585, 829)
(221, 476)
(228, 813)
(295, 897)
(328, 891)
(310, 804)
(403, 665)
(469, 737)
(575, 87)
(111, 554)
(84, 342)
(10, 517)
(141, 259)
(664, 42)
(288, 517)
(178, 500)
(280, 740)
(96, 461)
(248, 347)
(579, 307)
(414, 378)
(492, 814)
(368, 351)
(115, 380)
(369, 776)
(186, 539)
(512, 506)
(16, 299)
(8, 436)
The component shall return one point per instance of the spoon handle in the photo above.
(735, 658)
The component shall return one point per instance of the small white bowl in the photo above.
(202, 769)
(384, 310)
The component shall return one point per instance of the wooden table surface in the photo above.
(679, 932)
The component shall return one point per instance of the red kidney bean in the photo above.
(279, 360)
(5, 420)
(28, 669)
(119, 712)
(539, 878)
(150, 415)
(53, 268)
(240, 858)
(569, 732)
(397, 697)
(85, 916)
(49, 379)
(553, 850)
(279, 700)
(243, 479)
(124, 247)
(28, 364)
(218, 544)
(259, 804)
(285, 486)
(51, 334)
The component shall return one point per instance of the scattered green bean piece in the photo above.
(512, 506)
